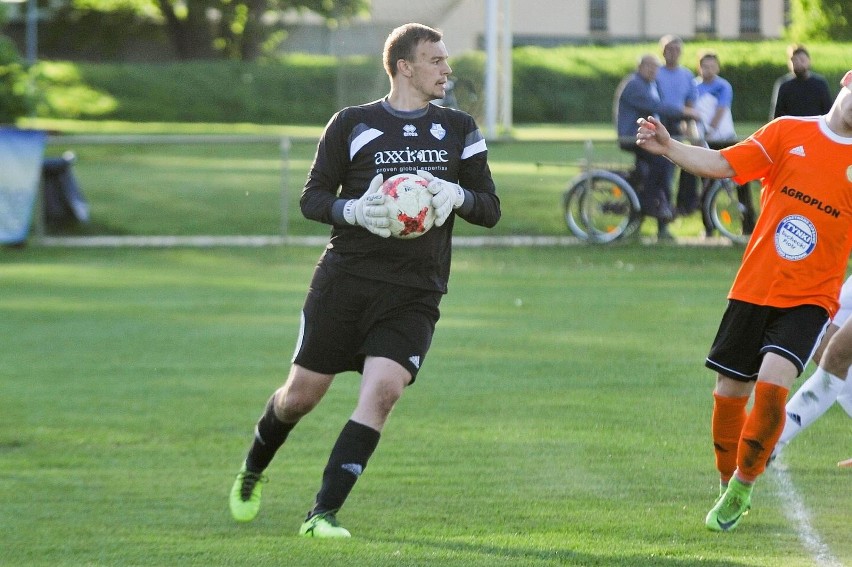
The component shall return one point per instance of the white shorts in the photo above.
(845, 397)
(845, 303)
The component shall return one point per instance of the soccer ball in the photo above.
(410, 204)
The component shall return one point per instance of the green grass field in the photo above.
(222, 189)
(561, 418)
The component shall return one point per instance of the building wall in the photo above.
(542, 22)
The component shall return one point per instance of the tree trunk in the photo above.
(191, 38)
(252, 33)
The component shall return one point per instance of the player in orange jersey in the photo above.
(788, 284)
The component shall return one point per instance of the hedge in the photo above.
(566, 84)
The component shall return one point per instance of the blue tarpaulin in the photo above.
(21, 156)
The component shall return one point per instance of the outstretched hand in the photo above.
(652, 136)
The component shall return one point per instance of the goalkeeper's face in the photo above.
(429, 70)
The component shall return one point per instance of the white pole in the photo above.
(490, 68)
(506, 71)
(32, 32)
(285, 186)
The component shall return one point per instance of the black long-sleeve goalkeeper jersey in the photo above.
(362, 141)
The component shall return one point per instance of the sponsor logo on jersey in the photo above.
(795, 238)
(409, 130)
(798, 151)
(438, 131)
(409, 155)
(415, 360)
(849, 174)
(812, 201)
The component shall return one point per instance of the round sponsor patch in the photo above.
(849, 173)
(795, 238)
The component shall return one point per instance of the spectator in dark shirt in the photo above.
(800, 92)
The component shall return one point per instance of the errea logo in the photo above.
(409, 130)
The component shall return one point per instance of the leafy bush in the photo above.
(567, 84)
(576, 84)
(295, 90)
(62, 93)
(14, 101)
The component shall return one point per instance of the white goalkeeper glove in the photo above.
(446, 196)
(369, 211)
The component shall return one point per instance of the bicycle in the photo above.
(601, 205)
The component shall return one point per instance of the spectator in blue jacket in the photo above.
(639, 97)
(677, 88)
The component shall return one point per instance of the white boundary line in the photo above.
(798, 515)
(270, 240)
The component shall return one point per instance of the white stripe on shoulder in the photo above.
(362, 140)
(763, 149)
(475, 148)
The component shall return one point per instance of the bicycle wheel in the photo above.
(601, 207)
(732, 209)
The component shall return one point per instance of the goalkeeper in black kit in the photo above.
(373, 301)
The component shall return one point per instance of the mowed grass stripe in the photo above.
(561, 417)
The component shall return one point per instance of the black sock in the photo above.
(269, 434)
(348, 460)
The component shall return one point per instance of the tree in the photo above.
(840, 18)
(820, 20)
(14, 101)
(236, 29)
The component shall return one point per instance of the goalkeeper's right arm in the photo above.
(368, 211)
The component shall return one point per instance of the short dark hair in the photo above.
(402, 43)
(707, 55)
(670, 38)
(797, 48)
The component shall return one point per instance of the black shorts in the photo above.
(347, 318)
(749, 331)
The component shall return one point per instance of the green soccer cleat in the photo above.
(730, 507)
(323, 525)
(245, 495)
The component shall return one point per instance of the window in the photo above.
(598, 15)
(705, 16)
(749, 16)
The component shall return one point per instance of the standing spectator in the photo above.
(715, 96)
(373, 301)
(800, 92)
(640, 97)
(787, 287)
(677, 88)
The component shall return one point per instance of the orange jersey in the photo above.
(800, 247)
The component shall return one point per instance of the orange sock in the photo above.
(762, 430)
(729, 416)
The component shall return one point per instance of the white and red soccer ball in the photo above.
(410, 204)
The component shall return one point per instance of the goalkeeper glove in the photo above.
(446, 196)
(369, 211)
